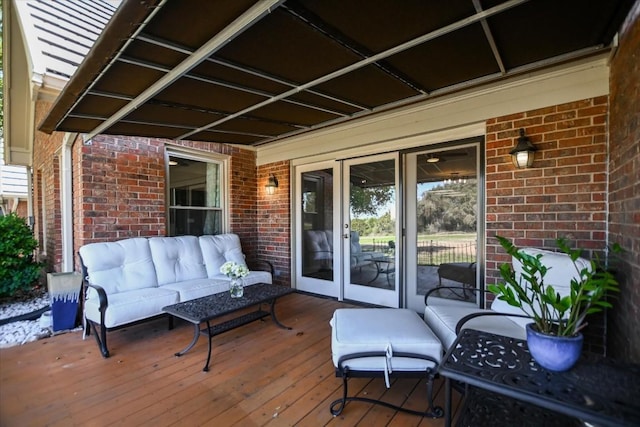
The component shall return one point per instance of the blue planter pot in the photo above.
(552, 352)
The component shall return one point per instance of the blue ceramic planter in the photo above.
(552, 352)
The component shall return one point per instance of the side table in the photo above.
(597, 390)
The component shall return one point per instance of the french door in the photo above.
(317, 217)
(346, 229)
(359, 237)
(444, 227)
(370, 229)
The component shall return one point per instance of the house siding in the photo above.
(624, 190)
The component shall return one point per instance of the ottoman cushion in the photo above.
(384, 330)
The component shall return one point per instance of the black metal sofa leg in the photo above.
(101, 338)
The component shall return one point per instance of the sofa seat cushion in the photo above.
(391, 330)
(442, 316)
(131, 306)
(191, 289)
(177, 259)
(119, 266)
(257, 276)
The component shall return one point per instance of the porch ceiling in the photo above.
(248, 72)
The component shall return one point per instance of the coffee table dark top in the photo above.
(206, 308)
(597, 389)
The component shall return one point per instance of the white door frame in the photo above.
(310, 284)
(352, 291)
(412, 299)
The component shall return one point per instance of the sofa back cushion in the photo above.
(120, 266)
(177, 259)
(356, 249)
(317, 245)
(560, 271)
(218, 249)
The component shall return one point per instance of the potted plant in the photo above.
(554, 337)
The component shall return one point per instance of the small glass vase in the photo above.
(236, 288)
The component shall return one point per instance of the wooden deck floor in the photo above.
(260, 375)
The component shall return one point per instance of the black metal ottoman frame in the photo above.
(343, 371)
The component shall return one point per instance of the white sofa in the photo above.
(133, 279)
(446, 317)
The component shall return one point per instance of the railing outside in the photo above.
(435, 252)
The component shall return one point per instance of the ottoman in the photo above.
(383, 342)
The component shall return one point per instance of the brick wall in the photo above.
(119, 189)
(562, 195)
(624, 190)
(243, 198)
(46, 192)
(274, 221)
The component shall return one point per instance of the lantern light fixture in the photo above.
(272, 184)
(523, 153)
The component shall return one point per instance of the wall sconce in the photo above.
(523, 153)
(272, 184)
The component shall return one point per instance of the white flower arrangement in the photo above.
(233, 270)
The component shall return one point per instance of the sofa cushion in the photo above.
(560, 268)
(218, 249)
(316, 245)
(257, 276)
(191, 289)
(390, 330)
(177, 259)
(131, 306)
(120, 266)
(442, 316)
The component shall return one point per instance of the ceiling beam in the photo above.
(490, 39)
(228, 85)
(242, 23)
(243, 69)
(545, 63)
(367, 61)
(310, 19)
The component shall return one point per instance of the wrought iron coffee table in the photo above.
(505, 384)
(205, 309)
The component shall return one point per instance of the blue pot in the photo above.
(552, 352)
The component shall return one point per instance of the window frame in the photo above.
(205, 157)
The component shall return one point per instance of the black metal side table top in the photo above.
(205, 309)
(597, 390)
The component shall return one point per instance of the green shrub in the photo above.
(18, 270)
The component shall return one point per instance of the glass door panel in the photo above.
(370, 230)
(316, 218)
(443, 223)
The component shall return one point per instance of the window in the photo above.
(196, 196)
